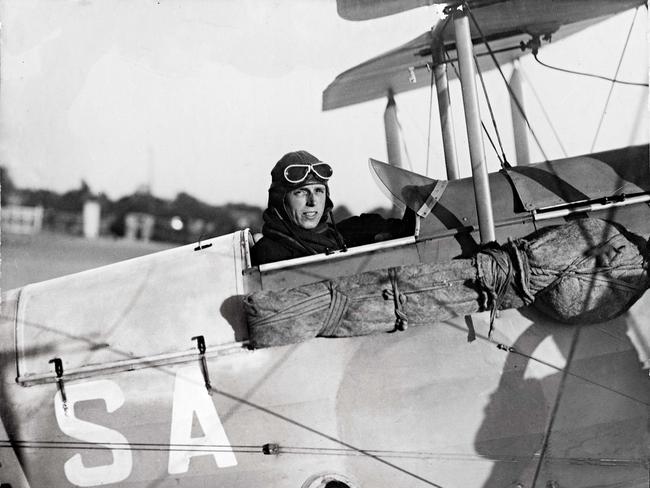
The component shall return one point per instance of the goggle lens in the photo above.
(297, 173)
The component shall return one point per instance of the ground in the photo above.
(32, 258)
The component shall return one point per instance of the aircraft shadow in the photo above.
(567, 428)
(232, 310)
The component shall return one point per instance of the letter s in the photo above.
(74, 468)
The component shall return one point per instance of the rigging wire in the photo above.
(574, 375)
(433, 76)
(496, 151)
(243, 401)
(503, 76)
(556, 405)
(544, 112)
(590, 75)
(501, 346)
(451, 62)
(613, 83)
(504, 162)
(347, 450)
(304, 450)
(125, 446)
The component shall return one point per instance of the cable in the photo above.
(574, 375)
(611, 87)
(451, 62)
(504, 162)
(544, 112)
(310, 451)
(493, 146)
(133, 446)
(430, 116)
(556, 405)
(503, 76)
(591, 75)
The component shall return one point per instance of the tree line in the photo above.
(183, 219)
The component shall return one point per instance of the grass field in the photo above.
(32, 258)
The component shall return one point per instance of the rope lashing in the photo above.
(305, 307)
(500, 268)
(585, 271)
(501, 276)
(399, 300)
(338, 307)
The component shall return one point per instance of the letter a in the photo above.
(190, 398)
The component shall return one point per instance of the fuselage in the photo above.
(136, 403)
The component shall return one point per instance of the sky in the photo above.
(205, 96)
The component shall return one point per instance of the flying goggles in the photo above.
(297, 173)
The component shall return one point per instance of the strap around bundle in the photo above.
(338, 307)
(399, 299)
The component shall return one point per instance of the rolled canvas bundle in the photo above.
(582, 272)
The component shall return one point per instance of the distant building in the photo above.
(18, 219)
(91, 219)
(245, 216)
(139, 226)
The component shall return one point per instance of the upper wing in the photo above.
(505, 24)
(371, 9)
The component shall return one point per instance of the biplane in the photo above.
(144, 373)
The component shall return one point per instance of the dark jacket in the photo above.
(283, 240)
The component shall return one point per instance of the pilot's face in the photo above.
(305, 205)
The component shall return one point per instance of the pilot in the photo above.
(298, 220)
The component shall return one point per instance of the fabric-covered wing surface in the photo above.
(505, 25)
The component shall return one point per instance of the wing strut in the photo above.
(394, 142)
(473, 122)
(519, 128)
(446, 119)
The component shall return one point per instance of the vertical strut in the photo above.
(446, 119)
(473, 122)
(394, 143)
(393, 136)
(519, 128)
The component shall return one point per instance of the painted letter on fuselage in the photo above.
(191, 398)
(74, 468)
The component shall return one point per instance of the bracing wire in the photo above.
(345, 450)
(556, 406)
(590, 75)
(433, 76)
(132, 446)
(430, 117)
(503, 159)
(496, 151)
(485, 131)
(613, 81)
(503, 76)
(544, 112)
(577, 376)
(298, 450)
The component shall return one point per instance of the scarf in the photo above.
(322, 239)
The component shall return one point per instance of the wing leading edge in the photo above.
(504, 24)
